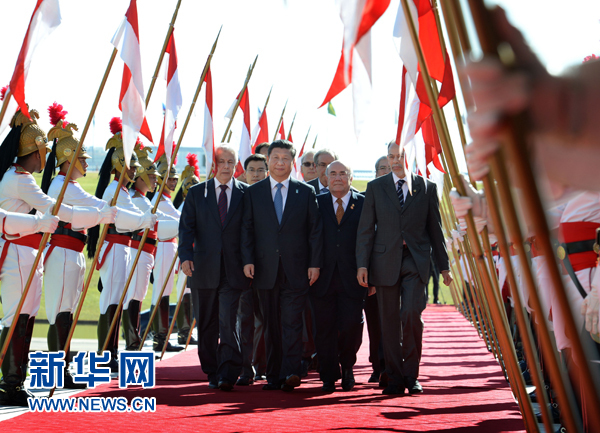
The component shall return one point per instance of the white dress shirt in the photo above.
(284, 190)
(227, 191)
(345, 201)
(321, 186)
(404, 185)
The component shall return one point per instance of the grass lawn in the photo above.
(90, 311)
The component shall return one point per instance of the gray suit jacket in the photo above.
(384, 226)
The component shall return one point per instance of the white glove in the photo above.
(46, 223)
(461, 204)
(590, 311)
(167, 229)
(480, 224)
(108, 214)
(457, 236)
(18, 224)
(149, 220)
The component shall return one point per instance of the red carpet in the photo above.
(464, 392)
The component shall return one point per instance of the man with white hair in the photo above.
(209, 249)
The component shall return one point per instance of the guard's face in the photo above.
(172, 183)
(255, 172)
(153, 182)
(280, 163)
(131, 173)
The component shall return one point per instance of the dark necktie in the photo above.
(400, 193)
(223, 203)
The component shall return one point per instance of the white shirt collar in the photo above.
(321, 186)
(345, 199)
(229, 184)
(396, 178)
(286, 183)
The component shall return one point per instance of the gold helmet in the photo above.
(32, 139)
(147, 166)
(66, 142)
(162, 167)
(190, 175)
(116, 141)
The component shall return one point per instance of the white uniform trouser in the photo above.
(585, 277)
(114, 274)
(64, 274)
(165, 253)
(15, 271)
(138, 287)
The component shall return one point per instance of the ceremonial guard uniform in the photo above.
(165, 253)
(64, 262)
(19, 193)
(189, 177)
(167, 228)
(115, 253)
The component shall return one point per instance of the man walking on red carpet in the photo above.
(398, 231)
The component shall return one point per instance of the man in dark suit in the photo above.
(209, 249)
(337, 298)
(397, 233)
(282, 252)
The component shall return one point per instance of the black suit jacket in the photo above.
(315, 184)
(297, 241)
(384, 225)
(339, 245)
(204, 240)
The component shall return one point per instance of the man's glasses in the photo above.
(308, 164)
(259, 170)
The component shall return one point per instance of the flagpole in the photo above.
(160, 192)
(315, 142)
(56, 207)
(238, 100)
(529, 416)
(279, 123)
(187, 343)
(229, 138)
(267, 101)
(7, 97)
(162, 353)
(291, 126)
(162, 52)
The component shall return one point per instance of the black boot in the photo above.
(64, 321)
(184, 320)
(103, 327)
(162, 328)
(131, 325)
(14, 367)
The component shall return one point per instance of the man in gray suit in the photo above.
(398, 232)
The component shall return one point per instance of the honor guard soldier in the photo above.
(115, 253)
(189, 177)
(64, 262)
(165, 253)
(19, 193)
(167, 227)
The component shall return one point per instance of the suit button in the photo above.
(276, 251)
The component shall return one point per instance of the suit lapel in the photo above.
(416, 189)
(290, 201)
(269, 199)
(349, 208)
(236, 197)
(211, 196)
(390, 189)
(329, 207)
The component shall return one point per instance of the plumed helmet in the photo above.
(191, 174)
(62, 132)
(116, 142)
(147, 166)
(32, 138)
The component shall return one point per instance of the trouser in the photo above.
(376, 357)
(259, 351)
(400, 308)
(338, 329)
(435, 274)
(245, 329)
(165, 252)
(218, 342)
(282, 309)
(138, 287)
(64, 272)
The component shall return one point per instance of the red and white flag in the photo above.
(358, 16)
(45, 18)
(131, 100)
(174, 102)
(208, 141)
(260, 133)
(281, 131)
(245, 147)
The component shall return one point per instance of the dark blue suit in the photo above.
(218, 277)
(337, 298)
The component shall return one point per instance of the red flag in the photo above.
(281, 131)
(261, 131)
(208, 141)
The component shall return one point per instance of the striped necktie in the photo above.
(400, 193)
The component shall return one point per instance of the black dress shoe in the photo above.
(328, 387)
(393, 390)
(292, 380)
(271, 386)
(225, 385)
(244, 381)
(415, 388)
(383, 380)
(260, 377)
(374, 378)
(213, 385)
(348, 381)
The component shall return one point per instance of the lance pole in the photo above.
(239, 99)
(315, 142)
(291, 127)
(279, 123)
(7, 97)
(162, 353)
(187, 343)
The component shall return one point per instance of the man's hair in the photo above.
(389, 144)
(377, 162)
(325, 152)
(307, 153)
(260, 147)
(350, 172)
(256, 157)
(283, 144)
(224, 147)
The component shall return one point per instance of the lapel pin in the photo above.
(352, 206)
(296, 191)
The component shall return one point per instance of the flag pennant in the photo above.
(174, 102)
(45, 18)
(208, 141)
(260, 134)
(131, 100)
(281, 130)
(245, 149)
